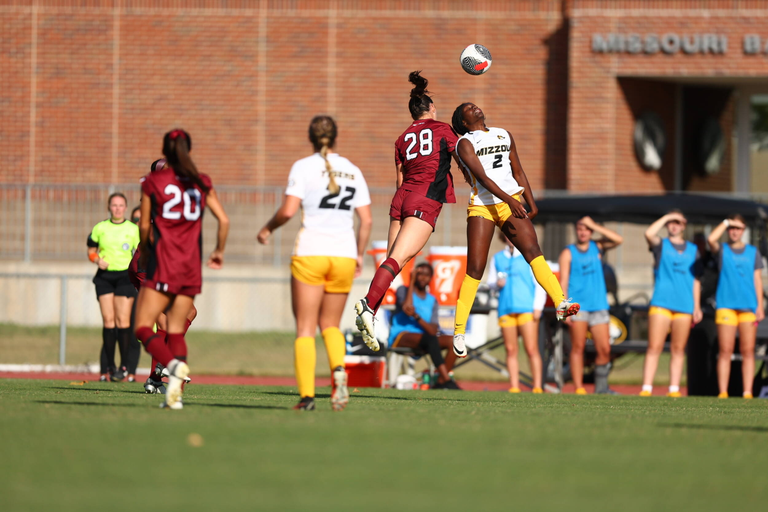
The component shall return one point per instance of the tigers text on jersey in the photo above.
(492, 148)
(327, 221)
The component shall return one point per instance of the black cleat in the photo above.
(449, 384)
(306, 404)
(118, 375)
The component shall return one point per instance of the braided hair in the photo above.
(322, 135)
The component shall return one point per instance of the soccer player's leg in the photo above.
(150, 304)
(339, 283)
(123, 306)
(659, 322)
(108, 333)
(177, 346)
(480, 231)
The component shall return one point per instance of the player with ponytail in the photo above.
(424, 182)
(172, 202)
(330, 190)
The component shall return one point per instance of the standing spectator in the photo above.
(739, 301)
(675, 304)
(110, 246)
(416, 325)
(521, 301)
(581, 275)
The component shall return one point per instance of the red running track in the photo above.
(238, 380)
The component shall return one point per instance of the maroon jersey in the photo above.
(175, 254)
(135, 274)
(424, 150)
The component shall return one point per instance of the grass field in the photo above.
(253, 353)
(69, 447)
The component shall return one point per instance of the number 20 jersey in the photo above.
(175, 255)
(327, 221)
(492, 148)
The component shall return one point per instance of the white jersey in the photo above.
(327, 223)
(492, 148)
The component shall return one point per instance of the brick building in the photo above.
(88, 88)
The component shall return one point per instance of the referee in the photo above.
(111, 245)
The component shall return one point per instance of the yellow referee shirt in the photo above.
(116, 242)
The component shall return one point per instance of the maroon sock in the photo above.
(156, 376)
(155, 345)
(189, 323)
(177, 346)
(383, 277)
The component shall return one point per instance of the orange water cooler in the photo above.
(450, 266)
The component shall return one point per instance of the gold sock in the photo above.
(305, 357)
(335, 345)
(464, 304)
(547, 279)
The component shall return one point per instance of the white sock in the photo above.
(648, 388)
(674, 389)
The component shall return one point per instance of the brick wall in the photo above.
(88, 88)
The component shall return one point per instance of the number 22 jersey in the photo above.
(175, 254)
(327, 221)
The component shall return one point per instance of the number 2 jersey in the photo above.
(327, 220)
(175, 254)
(492, 148)
(424, 150)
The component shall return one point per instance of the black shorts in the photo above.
(117, 282)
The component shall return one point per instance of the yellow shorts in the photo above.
(732, 317)
(333, 272)
(672, 315)
(497, 213)
(515, 319)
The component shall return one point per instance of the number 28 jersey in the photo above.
(492, 148)
(175, 255)
(327, 221)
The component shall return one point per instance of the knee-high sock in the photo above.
(109, 339)
(547, 279)
(155, 375)
(464, 304)
(134, 354)
(178, 346)
(124, 342)
(383, 277)
(335, 345)
(155, 345)
(305, 357)
(430, 345)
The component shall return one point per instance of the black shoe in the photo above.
(449, 384)
(306, 404)
(118, 375)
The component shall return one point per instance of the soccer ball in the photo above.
(476, 59)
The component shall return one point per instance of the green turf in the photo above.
(68, 447)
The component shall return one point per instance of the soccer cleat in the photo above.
(723, 395)
(674, 394)
(459, 347)
(514, 390)
(449, 384)
(178, 405)
(606, 392)
(646, 393)
(178, 371)
(305, 404)
(567, 308)
(581, 391)
(152, 387)
(537, 391)
(118, 375)
(364, 322)
(747, 396)
(340, 393)
(163, 371)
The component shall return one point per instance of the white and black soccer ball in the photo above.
(476, 59)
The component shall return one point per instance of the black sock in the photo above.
(109, 339)
(123, 338)
(130, 350)
(134, 354)
(430, 345)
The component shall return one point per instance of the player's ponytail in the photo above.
(420, 101)
(322, 135)
(176, 146)
(457, 121)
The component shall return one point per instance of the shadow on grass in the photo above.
(193, 404)
(287, 393)
(236, 406)
(741, 428)
(107, 390)
(102, 404)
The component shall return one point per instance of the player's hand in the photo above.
(263, 236)
(697, 315)
(735, 223)
(359, 266)
(533, 213)
(587, 221)
(103, 264)
(408, 309)
(676, 217)
(501, 283)
(216, 260)
(759, 315)
(518, 210)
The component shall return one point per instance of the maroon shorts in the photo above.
(172, 289)
(413, 204)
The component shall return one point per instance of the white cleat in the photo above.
(364, 321)
(162, 370)
(567, 308)
(459, 347)
(152, 387)
(178, 405)
(340, 394)
(178, 371)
